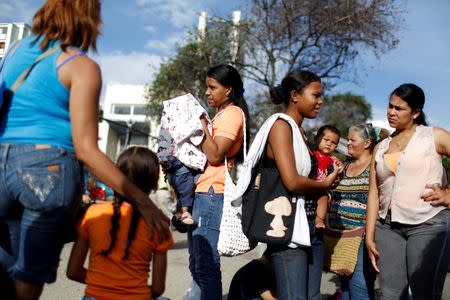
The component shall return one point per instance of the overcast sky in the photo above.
(138, 34)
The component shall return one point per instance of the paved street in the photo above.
(178, 277)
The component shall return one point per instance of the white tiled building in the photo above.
(11, 32)
(125, 120)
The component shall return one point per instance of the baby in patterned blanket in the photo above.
(179, 154)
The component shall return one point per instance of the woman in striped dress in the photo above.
(347, 212)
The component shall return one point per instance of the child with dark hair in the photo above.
(327, 140)
(119, 240)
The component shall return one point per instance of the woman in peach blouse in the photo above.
(408, 220)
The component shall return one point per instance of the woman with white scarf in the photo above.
(298, 269)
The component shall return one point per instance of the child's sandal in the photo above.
(186, 218)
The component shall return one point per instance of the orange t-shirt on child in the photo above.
(110, 277)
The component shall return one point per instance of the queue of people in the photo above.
(389, 195)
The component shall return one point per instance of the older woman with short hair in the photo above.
(347, 213)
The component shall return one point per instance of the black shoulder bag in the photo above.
(268, 208)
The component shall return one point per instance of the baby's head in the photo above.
(327, 139)
(141, 167)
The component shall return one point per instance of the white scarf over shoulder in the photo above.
(302, 162)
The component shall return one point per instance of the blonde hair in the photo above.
(71, 22)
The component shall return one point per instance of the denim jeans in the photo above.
(39, 187)
(181, 178)
(414, 255)
(361, 284)
(298, 271)
(204, 259)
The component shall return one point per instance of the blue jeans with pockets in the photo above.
(40, 185)
(298, 271)
(361, 284)
(204, 259)
(182, 180)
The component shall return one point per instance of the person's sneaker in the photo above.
(186, 218)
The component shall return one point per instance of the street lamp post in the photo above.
(130, 124)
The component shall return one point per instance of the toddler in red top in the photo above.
(327, 140)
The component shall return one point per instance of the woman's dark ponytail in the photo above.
(278, 95)
(421, 119)
(294, 81)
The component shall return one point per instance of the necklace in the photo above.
(399, 142)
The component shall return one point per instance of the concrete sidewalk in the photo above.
(178, 276)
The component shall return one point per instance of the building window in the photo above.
(138, 140)
(121, 109)
(140, 110)
(134, 140)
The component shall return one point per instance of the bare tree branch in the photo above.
(277, 36)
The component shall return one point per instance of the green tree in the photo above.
(446, 162)
(100, 115)
(277, 36)
(186, 72)
(343, 111)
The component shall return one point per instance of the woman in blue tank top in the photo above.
(47, 127)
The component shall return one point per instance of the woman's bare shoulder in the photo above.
(280, 134)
